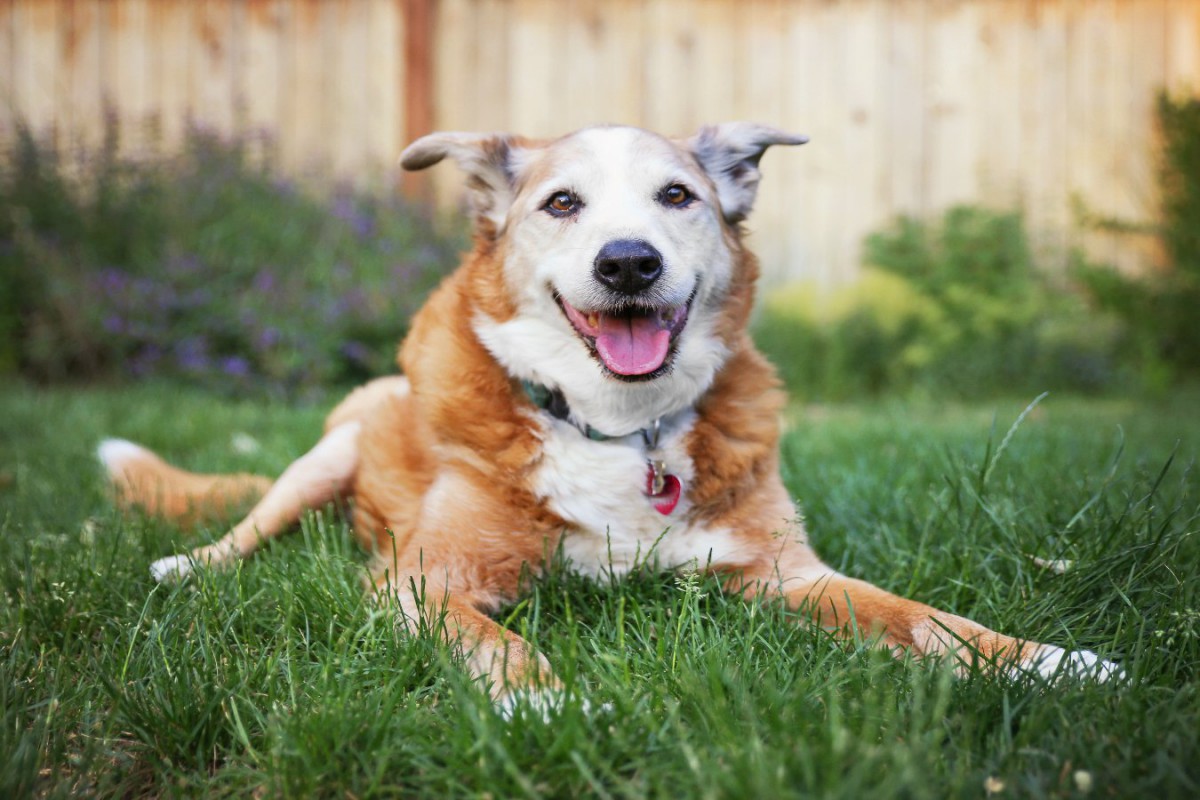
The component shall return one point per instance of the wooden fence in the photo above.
(911, 105)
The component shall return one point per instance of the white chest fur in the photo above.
(599, 488)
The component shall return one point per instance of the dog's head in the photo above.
(615, 243)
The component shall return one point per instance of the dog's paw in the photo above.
(545, 703)
(1054, 663)
(172, 568)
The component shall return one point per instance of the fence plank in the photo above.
(864, 195)
(535, 65)
(1045, 112)
(673, 37)
(759, 100)
(1183, 46)
(302, 135)
(128, 43)
(952, 74)
(257, 100)
(36, 88)
(1148, 76)
(210, 69)
(8, 102)
(384, 126)
(907, 112)
(83, 114)
(492, 65)
(418, 84)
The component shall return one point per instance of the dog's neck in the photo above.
(554, 403)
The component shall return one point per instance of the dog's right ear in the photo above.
(487, 158)
(730, 153)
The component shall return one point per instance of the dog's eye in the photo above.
(562, 204)
(676, 195)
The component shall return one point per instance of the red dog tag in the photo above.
(670, 489)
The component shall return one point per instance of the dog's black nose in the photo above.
(628, 265)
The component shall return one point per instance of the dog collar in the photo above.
(663, 488)
(554, 402)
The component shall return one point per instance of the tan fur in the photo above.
(440, 466)
(151, 484)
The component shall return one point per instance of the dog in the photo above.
(582, 384)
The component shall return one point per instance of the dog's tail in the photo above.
(140, 479)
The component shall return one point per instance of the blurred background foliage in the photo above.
(206, 266)
(209, 267)
(956, 306)
(1162, 309)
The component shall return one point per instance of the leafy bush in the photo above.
(957, 308)
(206, 266)
(1161, 309)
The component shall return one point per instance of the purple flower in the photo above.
(112, 280)
(356, 352)
(236, 366)
(404, 271)
(267, 338)
(142, 363)
(197, 298)
(183, 265)
(264, 281)
(352, 301)
(191, 354)
(345, 209)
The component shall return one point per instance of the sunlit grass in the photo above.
(276, 678)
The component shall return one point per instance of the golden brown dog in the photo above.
(584, 384)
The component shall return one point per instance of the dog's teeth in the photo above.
(593, 320)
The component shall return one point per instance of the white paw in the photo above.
(542, 702)
(172, 568)
(1054, 663)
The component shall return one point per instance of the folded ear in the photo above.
(487, 158)
(729, 153)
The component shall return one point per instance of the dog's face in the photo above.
(612, 238)
(617, 249)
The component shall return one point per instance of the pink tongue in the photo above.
(632, 345)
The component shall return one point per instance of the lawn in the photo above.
(276, 678)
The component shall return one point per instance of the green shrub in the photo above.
(206, 266)
(1161, 309)
(956, 308)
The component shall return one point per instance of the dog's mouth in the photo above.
(634, 342)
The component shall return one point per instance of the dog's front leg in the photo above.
(514, 671)
(319, 476)
(507, 664)
(838, 602)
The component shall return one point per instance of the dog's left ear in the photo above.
(487, 158)
(730, 153)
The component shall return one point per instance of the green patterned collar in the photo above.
(553, 402)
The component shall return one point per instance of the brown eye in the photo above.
(676, 195)
(562, 204)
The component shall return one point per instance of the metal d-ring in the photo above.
(650, 435)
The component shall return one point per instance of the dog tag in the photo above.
(657, 476)
(663, 488)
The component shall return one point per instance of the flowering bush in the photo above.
(206, 266)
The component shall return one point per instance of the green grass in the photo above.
(276, 678)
